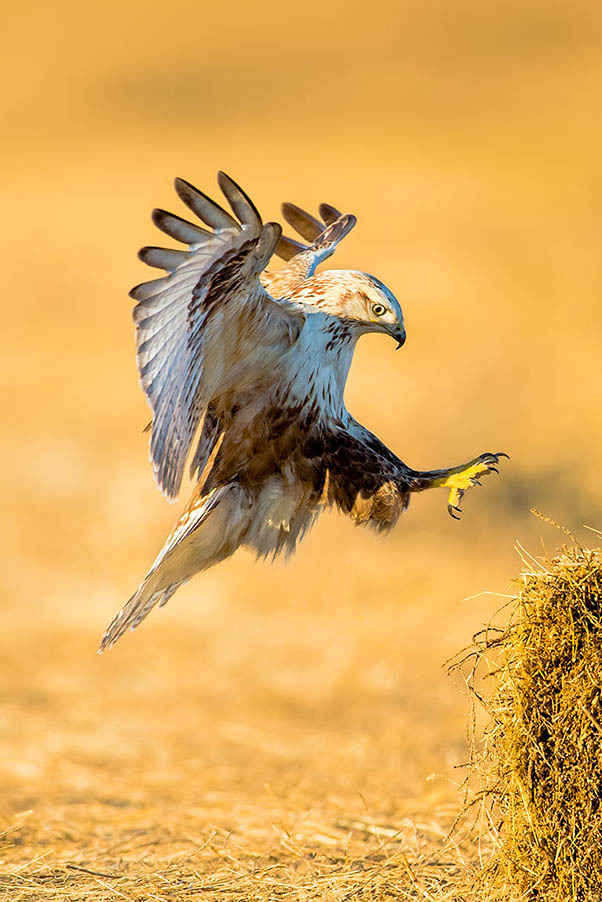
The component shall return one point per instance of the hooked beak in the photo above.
(399, 334)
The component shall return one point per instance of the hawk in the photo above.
(254, 363)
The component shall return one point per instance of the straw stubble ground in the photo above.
(279, 754)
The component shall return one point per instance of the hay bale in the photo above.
(540, 762)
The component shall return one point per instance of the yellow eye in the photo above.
(379, 309)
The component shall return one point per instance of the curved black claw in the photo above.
(462, 478)
(450, 510)
(493, 457)
(490, 460)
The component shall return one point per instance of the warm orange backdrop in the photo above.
(466, 136)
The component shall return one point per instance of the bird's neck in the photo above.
(323, 363)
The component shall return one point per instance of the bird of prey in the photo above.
(254, 364)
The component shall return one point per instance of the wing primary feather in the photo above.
(241, 203)
(146, 289)
(162, 257)
(303, 222)
(179, 228)
(202, 206)
(288, 248)
(329, 213)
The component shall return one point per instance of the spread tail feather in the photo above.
(209, 530)
(144, 599)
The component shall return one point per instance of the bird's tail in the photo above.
(209, 530)
(144, 599)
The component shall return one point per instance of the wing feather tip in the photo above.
(203, 206)
(329, 213)
(168, 483)
(162, 257)
(239, 200)
(181, 184)
(133, 292)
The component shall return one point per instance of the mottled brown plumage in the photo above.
(254, 363)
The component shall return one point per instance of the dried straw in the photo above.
(536, 786)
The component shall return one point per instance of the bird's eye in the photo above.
(379, 309)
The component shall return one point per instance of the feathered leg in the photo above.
(210, 530)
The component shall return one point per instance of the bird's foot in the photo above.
(459, 479)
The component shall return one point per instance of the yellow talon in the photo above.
(467, 476)
(459, 479)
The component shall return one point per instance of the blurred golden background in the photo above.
(466, 137)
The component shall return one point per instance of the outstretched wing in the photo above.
(208, 327)
(323, 238)
(323, 235)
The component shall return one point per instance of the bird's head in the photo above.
(360, 299)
